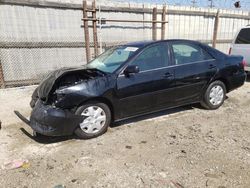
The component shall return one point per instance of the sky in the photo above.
(224, 4)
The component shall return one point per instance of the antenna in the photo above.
(194, 3)
(211, 3)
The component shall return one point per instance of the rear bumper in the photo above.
(51, 121)
(237, 80)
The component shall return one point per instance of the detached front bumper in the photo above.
(51, 121)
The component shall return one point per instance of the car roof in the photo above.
(140, 44)
(244, 27)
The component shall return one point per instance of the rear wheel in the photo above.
(214, 96)
(97, 121)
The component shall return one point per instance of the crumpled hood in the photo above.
(47, 84)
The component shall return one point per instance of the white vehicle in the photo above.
(241, 45)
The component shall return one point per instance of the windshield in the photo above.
(112, 59)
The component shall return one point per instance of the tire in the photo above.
(218, 89)
(87, 129)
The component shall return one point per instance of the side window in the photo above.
(187, 53)
(152, 58)
(243, 37)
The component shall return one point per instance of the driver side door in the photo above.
(137, 93)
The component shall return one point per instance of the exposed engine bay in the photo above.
(57, 82)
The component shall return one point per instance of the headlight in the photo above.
(71, 89)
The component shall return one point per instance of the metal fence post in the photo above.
(216, 24)
(86, 31)
(2, 82)
(154, 19)
(163, 24)
(95, 29)
(100, 28)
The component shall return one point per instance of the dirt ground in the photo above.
(184, 147)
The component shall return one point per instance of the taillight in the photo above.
(230, 49)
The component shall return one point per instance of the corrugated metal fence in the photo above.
(37, 37)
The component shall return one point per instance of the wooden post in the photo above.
(86, 31)
(163, 24)
(95, 29)
(154, 19)
(216, 24)
(2, 83)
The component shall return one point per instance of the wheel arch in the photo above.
(102, 100)
(225, 82)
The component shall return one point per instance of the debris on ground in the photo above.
(16, 164)
(129, 147)
(183, 151)
(73, 180)
(176, 184)
(59, 186)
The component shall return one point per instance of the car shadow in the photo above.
(156, 115)
(248, 77)
(54, 139)
(42, 139)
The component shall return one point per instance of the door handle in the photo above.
(212, 66)
(167, 75)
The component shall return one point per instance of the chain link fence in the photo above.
(36, 39)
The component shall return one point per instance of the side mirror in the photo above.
(131, 69)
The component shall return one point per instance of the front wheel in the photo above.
(97, 121)
(214, 96)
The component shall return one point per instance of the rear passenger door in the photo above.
(194, 68)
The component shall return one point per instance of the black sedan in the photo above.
(131, 80)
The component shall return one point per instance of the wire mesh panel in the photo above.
(183, 23)
(228, 28)
(35, 40)
(194, 27)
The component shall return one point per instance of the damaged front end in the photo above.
(51, 121)
(56, 98)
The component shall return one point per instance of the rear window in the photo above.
(243, 37)
(188, 53)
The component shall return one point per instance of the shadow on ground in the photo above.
(248, 77)
(155, 115)
(50, 140)
(42, 139)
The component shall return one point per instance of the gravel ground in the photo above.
(184, 147)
